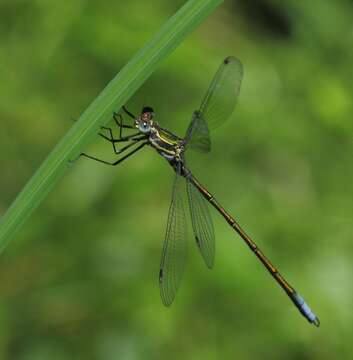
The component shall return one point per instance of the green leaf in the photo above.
(116, 93)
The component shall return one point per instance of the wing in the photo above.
(202, 224)
(197, 135)
(221, 97)
(175, 245)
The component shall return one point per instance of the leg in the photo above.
(131, 143)
(118, 161)
(128, 112)
(119, 151)
(110, 132)
(119, 122)
(121, 126)
(121, 139)
(132, 138)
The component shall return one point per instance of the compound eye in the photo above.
(145, 126)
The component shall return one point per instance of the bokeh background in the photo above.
(80, 280)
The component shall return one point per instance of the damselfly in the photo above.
(215, 109)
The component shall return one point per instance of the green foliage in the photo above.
(116, 93)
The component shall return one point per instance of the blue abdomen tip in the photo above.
(305, 309)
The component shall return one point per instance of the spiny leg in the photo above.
(123, 138)
(131, 143)
(119, 122)
(129, 113)
(119, 160)
(110, 132)
(133, 138)
(119, 119)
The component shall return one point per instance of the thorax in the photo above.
(166, 143)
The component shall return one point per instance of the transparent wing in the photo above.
(197, 135)
(221, 96)
(202, 224)
(175, 244)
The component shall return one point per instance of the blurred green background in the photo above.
(80, 280)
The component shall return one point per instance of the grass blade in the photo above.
(116, 93)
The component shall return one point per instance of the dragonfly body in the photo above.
(216, 107)
(172, 148)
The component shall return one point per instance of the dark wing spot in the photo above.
(228, 59)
